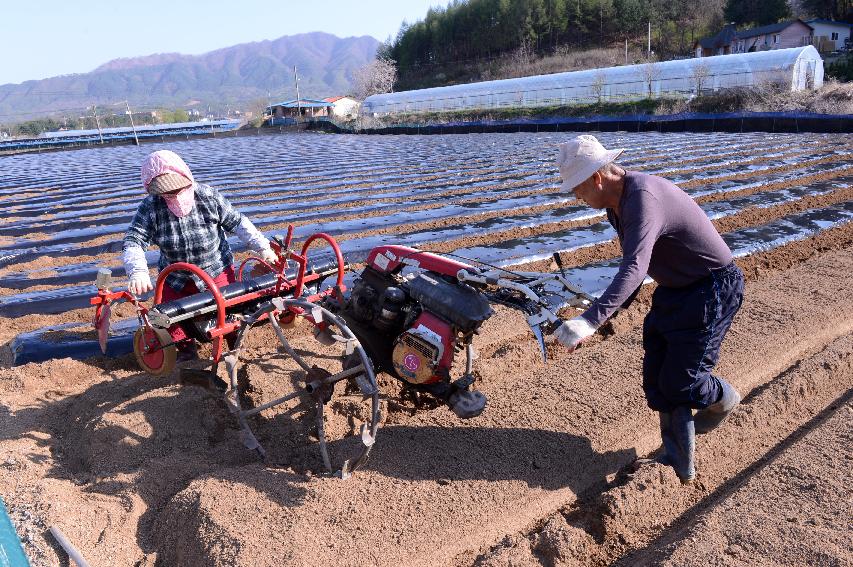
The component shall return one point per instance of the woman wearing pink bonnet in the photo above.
(187, 221)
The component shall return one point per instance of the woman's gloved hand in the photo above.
(573, 332)
(268, 256)
(139, 283)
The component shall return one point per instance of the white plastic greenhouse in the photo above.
(799, 67)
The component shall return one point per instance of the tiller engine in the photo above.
(407, 314)
(413, 310)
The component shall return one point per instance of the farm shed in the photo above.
(343, 106)
(799, 68)
(303, 107)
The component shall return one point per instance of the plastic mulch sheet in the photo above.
(11, 552)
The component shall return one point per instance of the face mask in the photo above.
(182, 202)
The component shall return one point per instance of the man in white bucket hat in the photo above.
(663, 234)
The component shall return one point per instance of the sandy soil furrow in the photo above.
(537, 447)
(633, 509)
(794, 511)
(551, 432)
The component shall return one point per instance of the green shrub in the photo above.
(841, 69)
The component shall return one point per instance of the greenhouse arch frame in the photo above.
(796, 68)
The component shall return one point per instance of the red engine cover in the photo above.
(387, 259)
(409, 359)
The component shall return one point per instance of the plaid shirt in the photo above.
(197, 238)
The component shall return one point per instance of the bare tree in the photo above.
(376, 77)
(519, 62)
(651, 73)
(598, 83)
(700, 74)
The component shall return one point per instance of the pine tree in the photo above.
(758, 12)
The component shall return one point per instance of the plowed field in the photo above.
(142, 471)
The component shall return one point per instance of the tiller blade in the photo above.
(102, 325)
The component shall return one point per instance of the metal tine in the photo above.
(343, 375)
(321, 435)
(268, 405)
(287, 348)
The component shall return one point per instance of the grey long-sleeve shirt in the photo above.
(664, 234)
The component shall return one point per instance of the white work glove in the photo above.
(139, 283)
(268, 256)
(573, 332)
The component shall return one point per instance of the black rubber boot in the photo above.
(711, 417)
(670, 447)
(684, 441)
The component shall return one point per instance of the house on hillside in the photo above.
(794, 33)
(343, 106)
(830, 36)
(301, 108)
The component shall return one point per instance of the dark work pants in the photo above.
(681, 337)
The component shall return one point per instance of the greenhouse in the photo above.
(797, 68)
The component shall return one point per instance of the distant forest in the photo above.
(481, 30)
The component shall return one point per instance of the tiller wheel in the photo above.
(155, 352)
(313, 385)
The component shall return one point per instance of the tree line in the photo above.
(474, 30)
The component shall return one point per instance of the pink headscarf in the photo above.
(163, 161)
(166, 161)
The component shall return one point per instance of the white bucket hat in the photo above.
(581, 157)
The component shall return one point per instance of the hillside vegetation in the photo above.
(477, 40)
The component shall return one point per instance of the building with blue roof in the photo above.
(300, 108)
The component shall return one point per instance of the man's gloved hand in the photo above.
(268, 256)
(139, 283)
(573, 332)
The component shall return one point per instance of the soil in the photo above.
(144, 471)
(804, 493)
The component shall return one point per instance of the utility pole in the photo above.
(626, 52)
(649, 53)
(298, 104)
(129, 113)
(97, 122)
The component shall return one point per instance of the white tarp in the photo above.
(797, 68)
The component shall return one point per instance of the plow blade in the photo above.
(102, 325)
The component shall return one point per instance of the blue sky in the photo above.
(45, 38)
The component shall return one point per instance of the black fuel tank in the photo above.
(461, 305)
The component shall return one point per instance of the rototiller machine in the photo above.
(407, 314)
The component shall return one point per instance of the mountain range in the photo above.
(235, 76)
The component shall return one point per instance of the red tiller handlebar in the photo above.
(205, 277)
(337, 249)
